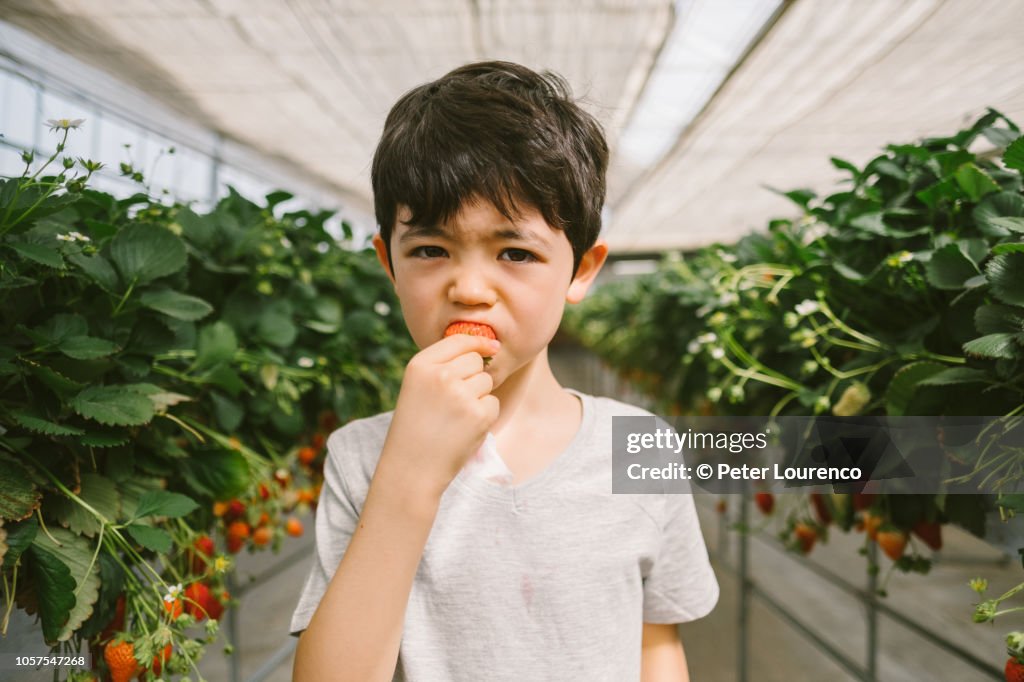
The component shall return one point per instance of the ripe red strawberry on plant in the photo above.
(1014, 670)
(765, 502)
(120, 658)
(930, 532)
(203, 550)
(892, 542)
(117, 622)
(806, 535)
(821, 509)
(201, 603)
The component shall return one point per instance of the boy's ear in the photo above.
(382, 256)
(590, 265)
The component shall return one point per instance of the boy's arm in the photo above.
(662, 658)
(443, 412)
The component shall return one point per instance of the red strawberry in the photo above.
(765, 502)
(821, 509)
(237, 533)
(862, 501)
(307, 455)
(117, 622)
(262, 536)
(806, 536)
(173, 608)
(871, 524)
(930, 532)
(471, 328)
(892, 542)
(1014, 670)
(202, 552)
(158, 662)
(201, 602)
(236, 510)
(120, 658)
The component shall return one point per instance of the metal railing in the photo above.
(867, 668)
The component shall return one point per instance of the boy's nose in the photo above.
(469, 286)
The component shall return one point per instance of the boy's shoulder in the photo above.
(354, 448)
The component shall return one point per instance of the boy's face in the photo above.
(481, 268)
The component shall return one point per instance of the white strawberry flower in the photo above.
(173, 592)
(64, 123)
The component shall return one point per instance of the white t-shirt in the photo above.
(550, 579)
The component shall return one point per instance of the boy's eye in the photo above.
(518, 255)
(427, 252)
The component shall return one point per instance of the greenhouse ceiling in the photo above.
(707, 103)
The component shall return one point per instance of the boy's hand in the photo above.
(443, 413)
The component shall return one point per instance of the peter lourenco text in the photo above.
(668, 439)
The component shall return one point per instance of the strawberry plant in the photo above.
(161, 370)
(902, 293)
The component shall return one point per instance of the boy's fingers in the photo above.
(466, 365)
(480, 384)
(458, 344)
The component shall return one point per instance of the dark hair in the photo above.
(497, 131)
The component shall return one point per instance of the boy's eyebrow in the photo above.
(506, 233)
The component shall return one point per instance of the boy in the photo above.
(488, 186)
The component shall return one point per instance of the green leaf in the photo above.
(229, 413)
(76, 554)
(905, 383)
(61, 326)
(1011, 224)
(1000, 137)
(949, 268)
(111, 587)
(1000, 249)
(1014, 155)
(175, 304)
(143, 253)
(44, 255)
(154, 539)
(975, 182)
(19, 496)
(274, 324)
(216, 344)
(113, 406)
(219, 474)
(55, 381)
(992, 346)
(37, 423)
(200, 230)
(98, 269)
(999, 319)
(1005, 273)
(1001, 205)
(871, 222)
(19, 537)
(98, 492)
(87, 347)
(104, 439)
(843, 164)
(54, 589)
(280, 196)
(164, 503)
(956, 375)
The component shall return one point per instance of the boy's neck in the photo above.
(530, 395)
